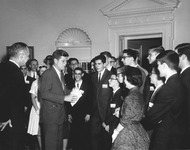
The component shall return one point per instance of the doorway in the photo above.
(142, 45)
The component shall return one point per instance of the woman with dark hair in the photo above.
(48, 61)
(129, 133)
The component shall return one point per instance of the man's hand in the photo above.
(107, 128)
(116, 113)
(4, 124)
(71, 98)
(70, 118)
(87, 118)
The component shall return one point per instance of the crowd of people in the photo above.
(116, 105)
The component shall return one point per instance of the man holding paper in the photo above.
(53, 93)
(79, 112)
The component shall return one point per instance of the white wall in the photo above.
(39, 22)
(182, 24)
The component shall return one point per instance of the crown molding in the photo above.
(114, 9)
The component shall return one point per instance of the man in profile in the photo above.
(12, 98)
(53, 93)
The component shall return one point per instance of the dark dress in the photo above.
(132, 136)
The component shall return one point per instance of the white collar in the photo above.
(102, 72)
(57, 71)
(79, 82)
(184, 69)
(109, 68)
(14, 62)
(116, 90)
(169, 77)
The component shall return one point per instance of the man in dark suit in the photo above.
(79, 113)
(112, 120)
(108, 61)
(53, 93)
(69, 77)
(129, 58)
(168, 115)
(12, 98)
(101, 96)
(184, 65)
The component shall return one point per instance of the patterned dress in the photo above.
(132, 136)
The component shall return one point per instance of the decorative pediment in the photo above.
(133, 7)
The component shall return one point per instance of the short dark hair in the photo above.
(71, 59)
(33, 59)
(100, 57)
(38, 72)
(79, 68)
(58, 53)
(184, 50)
(132, 53)
(106, 53)
(181, 45)
(158, 49)
(48, 58)
(115, 59)
(134, 75)
(156, 71)
(16, 48)
(169, 57)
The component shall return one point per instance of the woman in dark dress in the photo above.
(129, 134)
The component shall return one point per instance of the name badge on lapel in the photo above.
(104, 86)
(112, 105)
(150, 104)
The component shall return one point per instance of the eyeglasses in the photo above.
(123, 57)
(78, 74)
(112, 79)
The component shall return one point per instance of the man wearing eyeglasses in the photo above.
(130, 58)
(79, 112)
(112, 120)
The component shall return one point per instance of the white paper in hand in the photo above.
(78, 93)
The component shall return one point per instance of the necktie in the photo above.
(77, 85)
(62, 79)
(99, 77)
(34, 75)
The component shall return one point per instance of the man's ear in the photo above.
(165, 65)
(183, 56)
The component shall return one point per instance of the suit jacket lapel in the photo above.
(154, 94)
(103, 75)
(57, 77)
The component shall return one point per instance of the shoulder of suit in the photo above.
(143, 70)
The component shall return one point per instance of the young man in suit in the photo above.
(129, 58)
(101, 96)
(108, 61)
(153, 52)
(53, 93)
(115, 103)
(184, 65)
(33, 68)
(168, 115)
(12, 98)
(79, 113)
